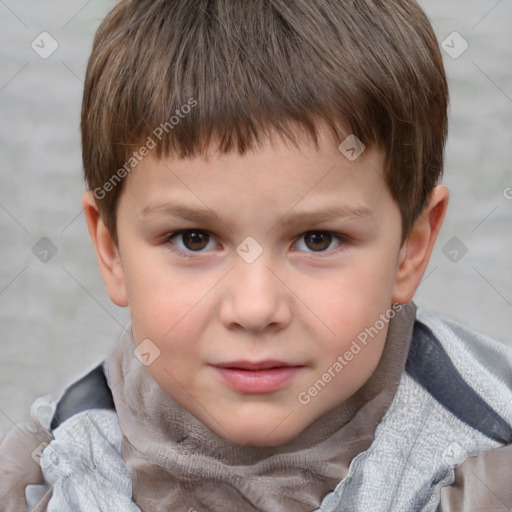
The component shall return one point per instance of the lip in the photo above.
(257, 377)
(255, 365)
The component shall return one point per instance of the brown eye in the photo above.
(191, 240)
(318, 240)
(195, 240)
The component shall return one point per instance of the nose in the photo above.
(256, 299)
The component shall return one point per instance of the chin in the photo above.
(258, 434)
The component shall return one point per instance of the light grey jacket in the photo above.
(444, 444)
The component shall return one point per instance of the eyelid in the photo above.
(342, 239)
(187, 253)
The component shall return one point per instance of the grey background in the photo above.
(57, 320)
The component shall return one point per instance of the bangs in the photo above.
(180, 77)
(247, 71)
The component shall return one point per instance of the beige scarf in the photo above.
(177, 463)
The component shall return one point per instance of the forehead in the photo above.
(277, 177)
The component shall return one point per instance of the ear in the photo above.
(107, 252)
(415, 253)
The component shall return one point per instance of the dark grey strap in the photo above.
(431, 367)
(89, 392)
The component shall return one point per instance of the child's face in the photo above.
(212, 298)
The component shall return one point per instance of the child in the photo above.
(222, 141)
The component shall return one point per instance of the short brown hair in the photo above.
(373, 67)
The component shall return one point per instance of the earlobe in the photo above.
(107, 253)
(415, 253)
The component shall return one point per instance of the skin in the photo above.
(303, 300)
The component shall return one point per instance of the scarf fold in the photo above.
(177, 463)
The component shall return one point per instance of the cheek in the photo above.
(161, 293)
(351, 305)
(161, 302)
(354, 298)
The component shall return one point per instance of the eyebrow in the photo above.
(340, 212)
(201, 214)
(181, 211)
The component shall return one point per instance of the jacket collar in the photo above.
(173, 458)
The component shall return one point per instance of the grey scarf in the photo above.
(177, 463)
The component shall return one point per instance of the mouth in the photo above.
(257, 377)
(255, 366)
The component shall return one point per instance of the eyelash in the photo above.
(342, 239)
